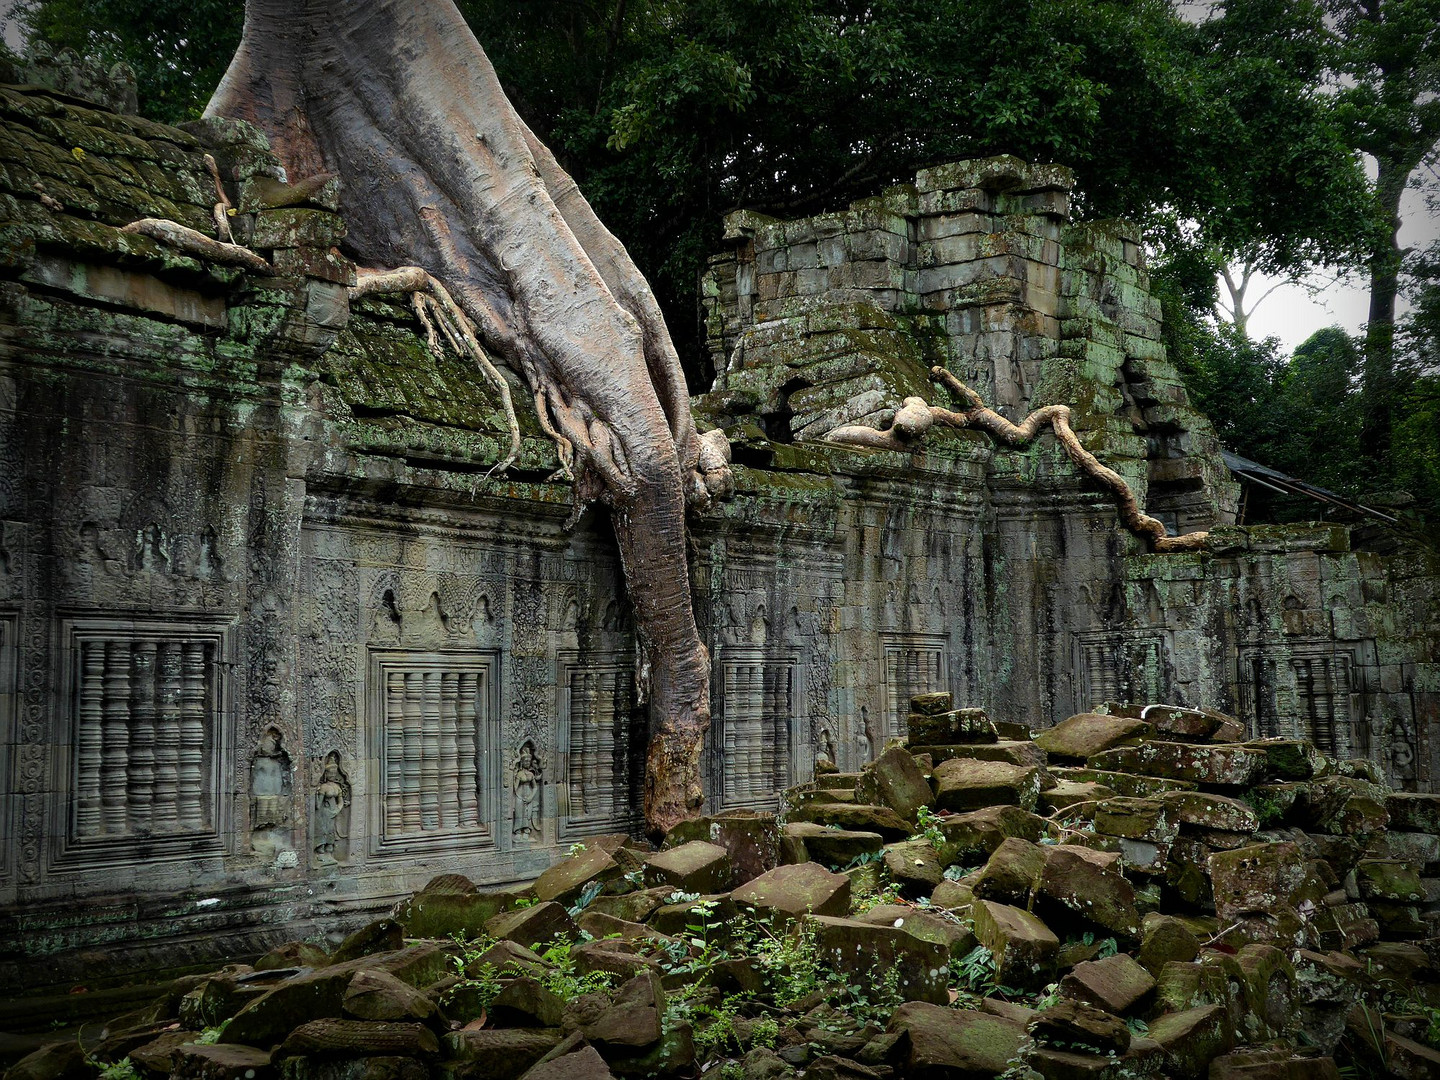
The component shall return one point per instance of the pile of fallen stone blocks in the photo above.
(1134, 892)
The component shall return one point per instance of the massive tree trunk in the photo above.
(440, 172)
(1385, 261)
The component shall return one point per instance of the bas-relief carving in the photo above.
(602, 750)
(527, 783)
(270, 798)
(330, 814)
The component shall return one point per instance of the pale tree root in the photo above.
(915, 417)
(435, 307)
(193, 242)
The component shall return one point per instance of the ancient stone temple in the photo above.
(277, 647)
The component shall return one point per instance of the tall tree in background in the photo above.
(1389, 58)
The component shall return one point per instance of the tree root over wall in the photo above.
(915, 417)
(501, 253)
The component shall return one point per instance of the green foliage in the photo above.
(211, 1035)
(562, 978)
(929, 825)
(123, 1069)
(975, 971)
(177, 48)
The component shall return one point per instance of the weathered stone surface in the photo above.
(1166, 939)
(378, 995)
(805, 841)
(1260, 878)
(894, 780)
(1085, 886)
(1116, 984)
(291, 955)
(966, 784)
(381, 936)
(1192, 1039)
(531, 925)
(446, 912)
(922, 924)
(976, 834)
(1390, 879)
(857, 817)
(1221, 766)
(1011, 873)
(633, 1018)
(314, 995)
(1012, 751)
(750, 838)
(1068, 1023)
(564, 881)
(914, 865)
(933, 704)
(1084, 735)
(1254, 1064)
(1070, 792)
(582, 1064)
(1414, 811)
(940, 1044)
(497, 1054)
(526, 1002)
(954, 726)
(1210, 811)
(1024, 947)
(622, 959)
(788, 892)
(222, 1061)
(697, 866)
(360, 1038)
(867, 952)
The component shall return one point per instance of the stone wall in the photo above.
(275, 648)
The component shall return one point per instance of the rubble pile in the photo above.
(1135, 892)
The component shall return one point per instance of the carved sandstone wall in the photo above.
(274, 650)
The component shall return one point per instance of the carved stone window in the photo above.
(754, 728)
(914, 664)
(433, 747)
(148, 728)
(601, 751)
(1300, 691)
(1120, 665)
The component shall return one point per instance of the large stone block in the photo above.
(965, 784)
(1024, 948)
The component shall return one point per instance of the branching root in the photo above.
(915, 417)
(194, 242)
(437, 309)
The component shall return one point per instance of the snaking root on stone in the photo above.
(915, 417)
(435, 307)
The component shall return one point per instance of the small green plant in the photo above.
(975, 971)
(119, 1070)
(765, 1032)
(564, 979)
(587, 895)
(575, 849)
(1137, 1026)
(211, 1035)
(1108, 947)
(929, 824)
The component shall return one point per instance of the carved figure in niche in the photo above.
(331, 812)
(527, 777)
(825, 754)
(270, 796)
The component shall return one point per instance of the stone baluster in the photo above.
(411, 744)
(115, 758)
(467, 721)
(394, 753)
(430, 750)
(167, 739)
(90, 741)
(449, 706)
(194, 704)
(141, 789)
